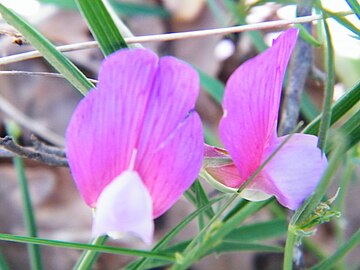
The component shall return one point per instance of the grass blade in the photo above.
(74, 245)
(48, 50)
(102, 25)
(329, 90)
(28, 212)
(339, 108)
(354, 6)
(328, 263)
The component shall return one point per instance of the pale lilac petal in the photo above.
(295, 170)
(106, 125)
(124, 208)
(251, 104)
(172, 166)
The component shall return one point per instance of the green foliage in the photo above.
(102, 25)
(48, 50)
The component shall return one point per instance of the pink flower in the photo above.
(248, 132)
(135, 143)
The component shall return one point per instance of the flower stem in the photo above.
(89, 257)
(28, 214)
(289, 250)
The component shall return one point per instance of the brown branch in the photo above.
(29, 153)
(299, 69)
(44, 148)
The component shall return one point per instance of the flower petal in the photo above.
(294, 172)
(171, 167)
(124, 207)
(170, 147)
(105, 127)
(251, 104)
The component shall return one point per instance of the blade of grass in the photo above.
(169, 236)
(74, 245)
(258, 231)
(3, 263)
(122, 8)
(329, 262)
(48, 50)
(28, 212)
(343, 21)
(308, 108)
(102, 25)
(89, 257)
(329, 90)
(214, 87)
(339, 108)
(354, 6)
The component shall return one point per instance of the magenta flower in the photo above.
(248, 132)
(135, 143)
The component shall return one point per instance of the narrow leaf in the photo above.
(48, 50)
(74, 245)
(214, 87)
(329, 89)
(339, 108)
(258, 231)
(328, 263)
(102, 25)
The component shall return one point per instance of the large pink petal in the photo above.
(124, 207)
(294, 171)
(251, 104)
(171, 144)
(171, 167)
(106, 125)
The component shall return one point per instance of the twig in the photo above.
(44, 148)
(26, 152)
(168, 37)
(299, 69)
(30, 123)
(32, 73)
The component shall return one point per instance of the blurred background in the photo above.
(49, 102)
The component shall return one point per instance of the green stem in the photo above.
(329, 90)
(89, 257)
(289, 249)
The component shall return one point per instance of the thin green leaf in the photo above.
(329, 262)
(74, 245)
(339, 108)
(135, 9)
(308, 109)
(3, 263)
(213, 86)
(102, 25)
(88, 258)
(258, 231)
(343, 21)
(329, 90)
(202, 198)
(122, 8)
(170, 235)
(305, 35)
(28, 212)
(354, 4)
(351, 129)
(227, 246)
(48, 50)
